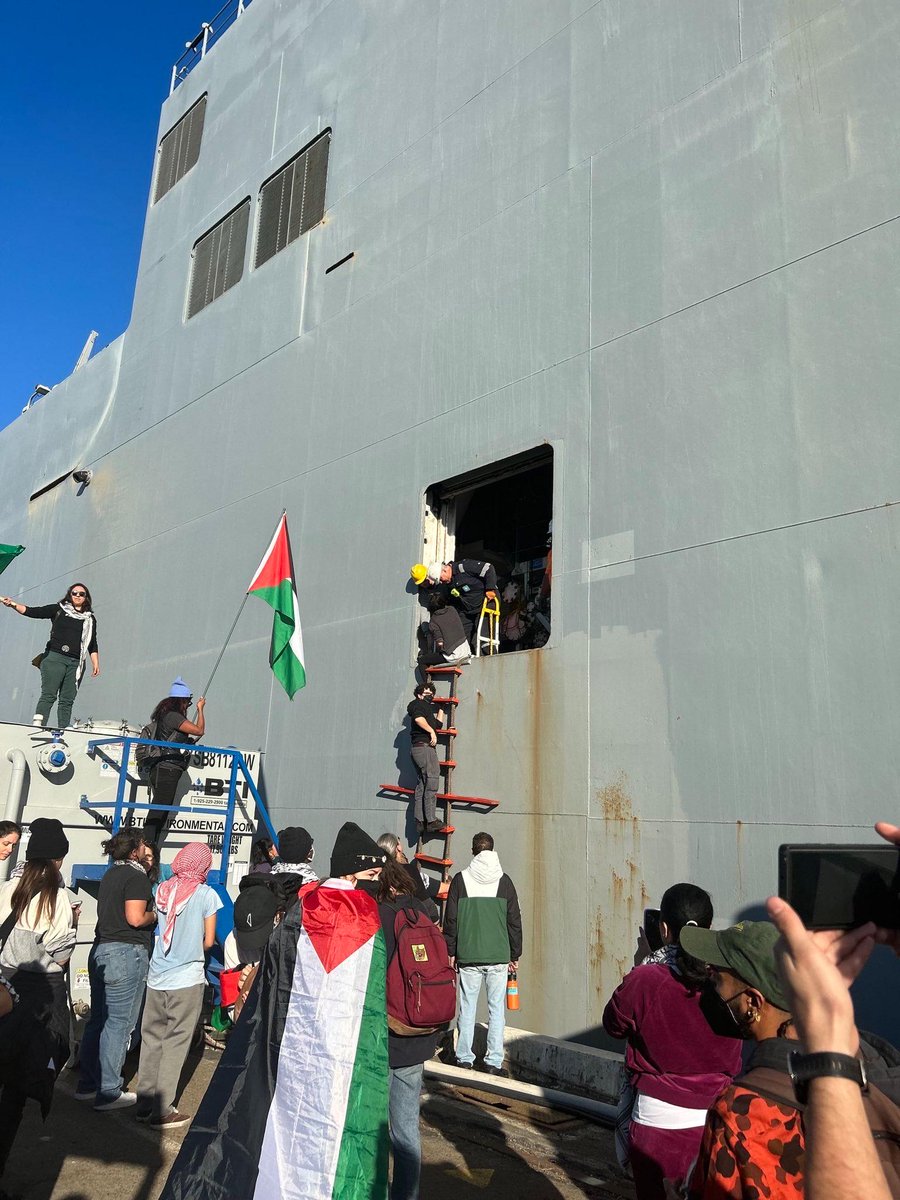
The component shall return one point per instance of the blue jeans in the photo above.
(470, 979)
(406, 1088)
(118, 973)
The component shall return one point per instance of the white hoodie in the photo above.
(483, 874)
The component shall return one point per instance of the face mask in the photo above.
(370, 886)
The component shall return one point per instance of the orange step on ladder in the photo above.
(448, 798)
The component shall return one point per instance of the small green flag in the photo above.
(7, 554)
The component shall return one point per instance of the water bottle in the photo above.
(512, 992)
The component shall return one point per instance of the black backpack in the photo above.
(145, 756)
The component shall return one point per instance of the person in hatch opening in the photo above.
(73, 640)
(483, 930)
(423, 725)
(470, 582)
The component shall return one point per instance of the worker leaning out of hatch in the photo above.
(470, 582)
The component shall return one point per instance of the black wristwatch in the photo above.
(804, 1067)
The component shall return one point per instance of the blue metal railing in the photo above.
(210, 32)
(238, 766)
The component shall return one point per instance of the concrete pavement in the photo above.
(473, 1145)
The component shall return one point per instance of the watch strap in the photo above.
(826, 1064)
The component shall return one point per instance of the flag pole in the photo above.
(225, 646)
(236, 619)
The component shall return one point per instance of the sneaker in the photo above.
(434, 827)
(172, 1120)
(501, 1072)
(420, 827)
(38, 720)
(464, 1066)
(143, 1115)
(123, 1100)
(79, 1095)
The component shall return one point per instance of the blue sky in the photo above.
(81, 86)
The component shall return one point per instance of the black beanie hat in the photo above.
(355, 851)
(47, 840)
(294, 844)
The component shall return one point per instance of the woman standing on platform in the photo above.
(73, 640)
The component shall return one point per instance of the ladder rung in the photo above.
(439, 700)
(447, 763)
(437, 862)
(449, 732)
(442, 796)
(444, 670)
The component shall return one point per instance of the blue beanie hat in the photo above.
(180, 689)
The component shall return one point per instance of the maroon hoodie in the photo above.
(672, 1054)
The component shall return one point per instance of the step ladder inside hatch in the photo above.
(487, 638)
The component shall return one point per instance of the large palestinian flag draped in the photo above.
(298, 1106)
(274, 583)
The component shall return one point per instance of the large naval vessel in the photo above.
(464, 278)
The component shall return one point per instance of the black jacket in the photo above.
(471, 578)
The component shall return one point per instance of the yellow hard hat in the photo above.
(419, 573)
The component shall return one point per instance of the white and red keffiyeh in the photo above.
(189, 870)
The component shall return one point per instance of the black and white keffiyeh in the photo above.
(87, 635)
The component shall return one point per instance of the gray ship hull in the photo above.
(659, 238)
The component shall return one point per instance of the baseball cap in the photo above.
(254, 916)
(747, 949)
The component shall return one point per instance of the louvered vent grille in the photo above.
(293, 200)
(218, 261)
(180, 149)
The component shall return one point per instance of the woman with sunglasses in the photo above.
(73, 640)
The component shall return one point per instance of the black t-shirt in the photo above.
(421, 708)
(168, 731)
(120, 883)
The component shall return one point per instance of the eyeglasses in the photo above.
(77, 593)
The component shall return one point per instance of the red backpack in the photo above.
(421, 984)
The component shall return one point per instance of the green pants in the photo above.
(58, 673)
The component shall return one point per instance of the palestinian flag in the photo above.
(7, 554)
(274, 582)
(298, 1106)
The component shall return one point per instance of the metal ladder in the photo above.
(447, 798)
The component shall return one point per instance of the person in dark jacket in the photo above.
(443, 635)
(483, 928)
(470, 581)
(73, 640)
(170, 723)
(406, 1055)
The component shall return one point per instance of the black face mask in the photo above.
(370, 886)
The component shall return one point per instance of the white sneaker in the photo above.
(38, 720)
(123, 1100)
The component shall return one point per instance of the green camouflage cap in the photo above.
(747, 949)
